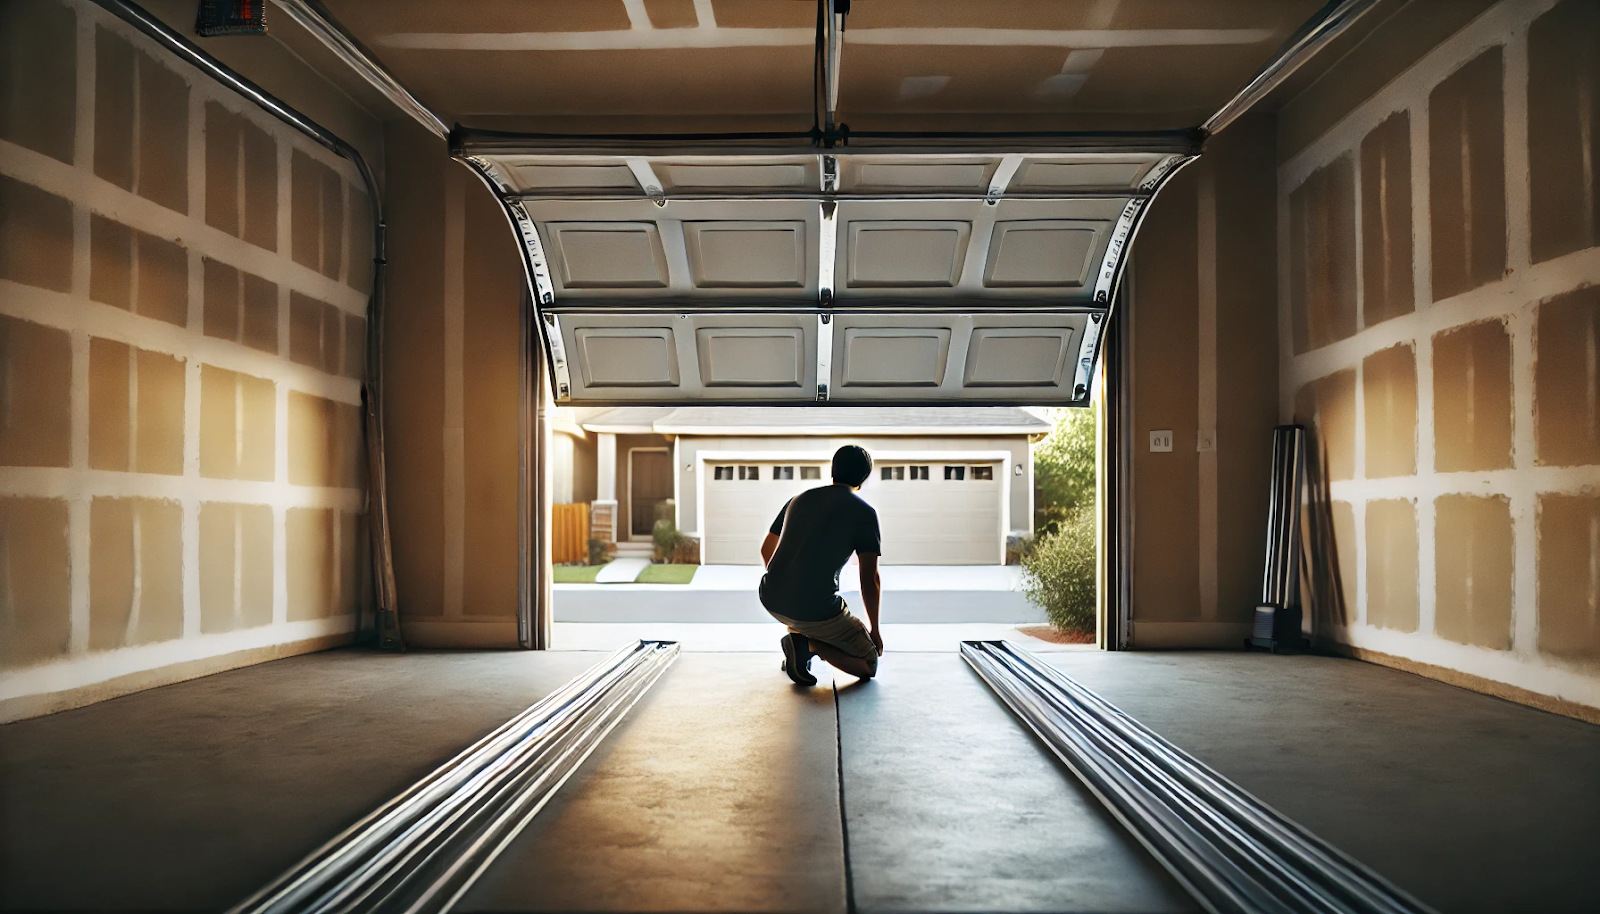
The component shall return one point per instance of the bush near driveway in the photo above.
(673, 546)
(1058, 573)
(601, 552)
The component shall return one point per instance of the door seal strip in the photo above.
(422, 850)
(1229, 850)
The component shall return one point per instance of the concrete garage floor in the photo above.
(721, 791)
(192, 796)
(1468, 802)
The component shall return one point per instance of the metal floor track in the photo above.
(423, 850)
(1232, 852)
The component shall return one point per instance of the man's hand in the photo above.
(871, 591)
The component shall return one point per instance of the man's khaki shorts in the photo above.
(844, 631)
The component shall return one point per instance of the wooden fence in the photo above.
(569, 529)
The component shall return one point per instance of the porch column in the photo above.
(603, 519)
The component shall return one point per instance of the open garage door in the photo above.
(870, 274)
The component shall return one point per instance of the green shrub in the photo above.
(1018, 547)
(601, 552)
(673, 546)
(1058, 573)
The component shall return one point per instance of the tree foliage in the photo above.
(1063, 469)
(1058, 573)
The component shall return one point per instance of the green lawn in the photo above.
(576, 574)
(667, 574)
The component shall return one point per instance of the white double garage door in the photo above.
(937, 512)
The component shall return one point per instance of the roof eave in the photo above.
(847, 431)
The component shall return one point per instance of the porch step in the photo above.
(635, 550)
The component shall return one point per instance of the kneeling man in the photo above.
(808, 545)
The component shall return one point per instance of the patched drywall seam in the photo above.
(1522, 607)
(174, 435)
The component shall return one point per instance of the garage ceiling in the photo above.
(791, 201)
(716, 65)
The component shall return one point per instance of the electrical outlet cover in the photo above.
(1161, 441)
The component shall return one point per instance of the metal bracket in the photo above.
(1082, 381)
(646, 176)
(558, 356)
(830, 174)
(824, 355)
(827, 251)
(1003, 174)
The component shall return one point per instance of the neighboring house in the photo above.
(950, 484)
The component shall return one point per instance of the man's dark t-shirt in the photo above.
(818, 531)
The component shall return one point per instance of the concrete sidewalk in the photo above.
(727, 593)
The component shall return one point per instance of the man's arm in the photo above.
(770, 544)
(871, 590)
(768, 547)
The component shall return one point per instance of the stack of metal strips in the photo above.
(1232, 852)
(422, 850)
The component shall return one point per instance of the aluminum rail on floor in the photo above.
(422, 850)
(1232, 852)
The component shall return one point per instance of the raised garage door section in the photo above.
(932, 512)
(864, 274)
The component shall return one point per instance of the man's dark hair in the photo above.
(851, 465)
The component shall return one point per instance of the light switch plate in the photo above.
(1161, 441)
(1205, 440)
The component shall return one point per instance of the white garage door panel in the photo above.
(1000, 263)
(1017, 358)
(601, 255)
(669, 359)
(938, 521)
(924, 522)
(739, 512)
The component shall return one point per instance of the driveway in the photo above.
(727, 593)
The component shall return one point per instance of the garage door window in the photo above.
(750, 473)
(723, 473)
(919, 472)
(892, 473)
(985, 472)
(955, 472)
(783, 472)
(811, 472)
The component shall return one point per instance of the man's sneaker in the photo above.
(797, 659)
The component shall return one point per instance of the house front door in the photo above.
(650, 487)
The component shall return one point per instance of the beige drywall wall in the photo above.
(181, 479)
(453, 369)
(1456, 523)
(1204, 337)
